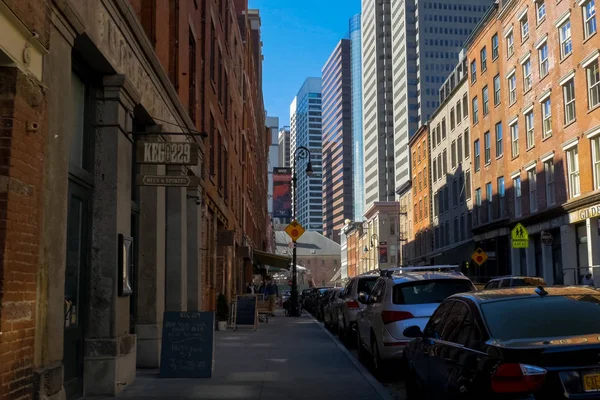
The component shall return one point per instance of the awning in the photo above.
(272, 260)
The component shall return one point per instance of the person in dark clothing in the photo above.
(250, 288)
(272, 292)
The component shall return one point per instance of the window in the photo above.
(593, 78)
(488, 147)
(566, 46)
(452, 121)
(444, 129)
(501, 196)
(461, 189)
(483, 57)
(546, 118)
(540, 8)
(514, 138)
(476, 152)
(211, 144)
(467, 144)
(495, 46)
(589, 18)
(569, 100)
(430, 291)
(475, 110)
(478, 197)
(497, 90)
(485, 96)
(192, 69)
(596, 161)
(512, 88)
(213, 53)
(549, 175)
(434, 169)
(425, 176)
(499, 144)
(529, 137)
(524, 28)
(473, 71)
(439, 166)
(465, 106)
(544, 63)
(468, 184)
(510, 45)
(453, 154)
(445, 161)
(527, 80)
(573, 171)
(517, 189)
(458, 113)
(488, 197)
(532, 180)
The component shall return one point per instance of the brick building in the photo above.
(533, 57)
(82, 84)
(422, 242)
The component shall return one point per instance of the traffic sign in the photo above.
(520, 237)
(479, 256)
(294, 230)
(547, 238)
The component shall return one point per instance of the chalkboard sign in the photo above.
(245, 310)
(187, 345)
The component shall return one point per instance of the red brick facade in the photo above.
(421, 217)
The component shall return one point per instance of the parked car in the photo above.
(519, 343)
(321, 300)
(331, 309)
(398, 301)
(514, 281)
(314, 298)
(305, 293)
(351, 306)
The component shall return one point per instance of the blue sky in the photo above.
(298, 37)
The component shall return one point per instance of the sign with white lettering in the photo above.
(166, 180)
(180, 153)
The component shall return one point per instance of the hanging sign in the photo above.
(168, 153)
(167, 180)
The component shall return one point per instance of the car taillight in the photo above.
(517, 378)
(352, 304)
(394, 316)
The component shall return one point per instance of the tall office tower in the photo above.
(337, 141)
(423, 61)
(378, 123)
(305, 130)
(357, 121)
(284, 146)
(273, 128)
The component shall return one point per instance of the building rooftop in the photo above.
(310, 244)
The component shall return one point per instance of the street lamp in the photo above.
(376, 245)
(300, 153)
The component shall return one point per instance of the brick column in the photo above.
(22, 132)
(110, 350)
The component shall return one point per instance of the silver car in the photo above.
(401, 298)
(350, 307)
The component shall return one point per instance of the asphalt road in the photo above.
(396, 388)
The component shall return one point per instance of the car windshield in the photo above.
(527, 318)
(430, 291)
(366, 285)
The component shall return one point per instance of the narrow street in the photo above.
(288, 358)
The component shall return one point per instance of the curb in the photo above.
(375, 384)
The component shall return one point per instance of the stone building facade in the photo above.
(542, 61)
(82, 83)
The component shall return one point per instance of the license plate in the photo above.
(591, 382)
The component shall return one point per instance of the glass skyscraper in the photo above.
(357, 122)
(305, 130)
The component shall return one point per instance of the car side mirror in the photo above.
(413, 332)
(363, 298)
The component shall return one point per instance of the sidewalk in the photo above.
(288, 358)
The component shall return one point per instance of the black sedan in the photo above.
(519, 343)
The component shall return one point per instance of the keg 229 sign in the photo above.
(169, 153)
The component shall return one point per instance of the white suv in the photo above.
(402, 297)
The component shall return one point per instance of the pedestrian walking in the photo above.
(588, 280)
(272, 292)
(250, 288)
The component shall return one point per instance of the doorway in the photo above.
(76, 301)
(582, 250)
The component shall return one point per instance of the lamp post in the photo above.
(301, 153)
(366, 249)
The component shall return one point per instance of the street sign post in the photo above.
(168, 153)
(166, 180)
(479, 256)
(294, 230)
(547, 238)
(520, 237)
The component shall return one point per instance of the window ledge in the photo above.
(544, 138)
(566, 57)
(545, 76)
(513, 158)
(500, 156)
(594, 108)
(540, 22)
(589, 37)
(526, 38)
(530, 148)
(570, 123)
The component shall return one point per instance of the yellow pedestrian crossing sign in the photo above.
(479, 256)
(520, 237)
(294, 230)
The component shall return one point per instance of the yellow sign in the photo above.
(479, 256)
(294, 230)
(520, 237)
